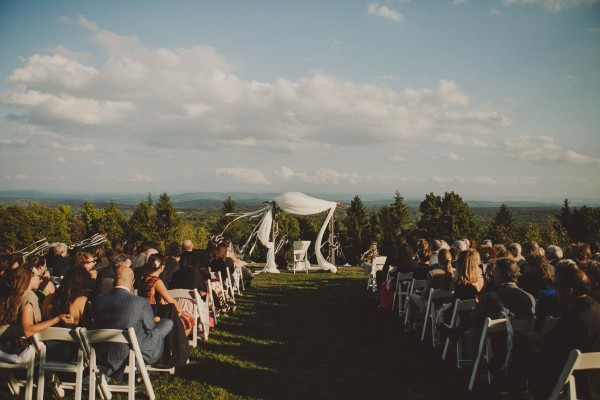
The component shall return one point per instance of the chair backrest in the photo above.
(378, 263)
(576, 361)
(417, 284)
(301, 245)
(55, 333)
(523, 324)
(405, 276)
(181, 294)
(548, 325)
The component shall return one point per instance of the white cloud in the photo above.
(577, 158)
(86, 148)
(572, 78)
(396, 158)
(532, 148)
(322, 176)
(139, 178)
(553, 5)
(455, 157)
(12, 142)
(96, 162)
(54, 69)
(482, 180)
(61, 159)
(385, 12)
(243, 175)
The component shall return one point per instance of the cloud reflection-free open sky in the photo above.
(492, 99)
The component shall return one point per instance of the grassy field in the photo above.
(311, 336)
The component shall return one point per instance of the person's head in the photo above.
(155, 262)
(506, 270)
(579, 252)
(592, 270)
(6, 249)
(187, 245)
(173, 250)
(422, 244)
(531, 247)
(424, 255)
(124, 277)
(445, 259)
(487, 242)
(467, 266)
(130, 248)
(38, 262)
(117, 246)
(77, 282)
(487, 253)
(122, 260)
(454, 252)
(536, 265)
(86, 260)
(189, 260)
(437, 245)
(26, 277)
(222, 252)
(405, 253)
(60, 249)
(461, 245)
(570, 282)
(515, 250)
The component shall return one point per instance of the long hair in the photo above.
(9, 305)
(468, 267)
(444, 255)
(77, 282)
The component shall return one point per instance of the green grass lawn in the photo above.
(311, 336)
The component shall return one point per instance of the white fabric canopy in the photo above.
(298, 204)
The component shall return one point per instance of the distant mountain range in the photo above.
(209, 200)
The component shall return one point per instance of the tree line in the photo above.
(446, 217)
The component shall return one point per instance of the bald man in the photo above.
(120, 309)
(187, 245)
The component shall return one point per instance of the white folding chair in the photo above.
(376, 266)
(189, 295)
(484, 352)
(300, 256)
(135, 361)
(416, 287)
(47, 365)
(210, 300)
(203, 314)
(15, 385)
(403, 281)
(459, 307)
(577, 361)
(435, 295)
(230, 286)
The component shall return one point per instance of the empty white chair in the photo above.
(576, 361)
(48, 365)
(300, 255)
(484, 352)
(211, 301)
(189, 295)
(403, 281)
(416, 286)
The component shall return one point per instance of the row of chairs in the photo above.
(406, 286)
(86, 358)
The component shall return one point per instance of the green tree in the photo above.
(167, 220)
(91, 217)
(357, 230)
(112, 222)
(48, 223)
(198, 234)
(142, 224)
(554, 233)
(14, 229)
(430, 223)
(236, 229)
(400, 216)
(502, 227)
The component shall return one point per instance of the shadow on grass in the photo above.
(318, 336)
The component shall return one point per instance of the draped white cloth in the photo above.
(299, 204)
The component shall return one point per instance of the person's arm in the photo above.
(77, 309)
(30, 328)
(148, 315)
(161, 289)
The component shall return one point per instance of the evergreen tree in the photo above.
(142, 224)
(502, 227)
(167, 221)
(400, 216)
(357, 229)
(45, 222)
(91, 217)
(236, 229)
(430, 223)
(554, 233)
(112, 222)
(447, 218)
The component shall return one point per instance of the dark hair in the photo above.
(6, 249)
(507, 269)
(592, 270)
(189, 260)
(540, 264)
(579, 252)
(9, 305)
(531, 247)
(77, 282)
(573, 277)
(444, 254)
(130, 248)
(155, 261)
(173, 249)
(487, 253)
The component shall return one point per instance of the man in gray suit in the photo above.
(120, 309)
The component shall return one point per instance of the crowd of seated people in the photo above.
(127, 286)
(522, 282)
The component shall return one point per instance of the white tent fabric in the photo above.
(299, 204)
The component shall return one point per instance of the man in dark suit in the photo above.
(120, 309)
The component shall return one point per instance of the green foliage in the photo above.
(502, 227)
(91, 217)
(168, 229)
(198, 234)
(430, 223)
(22, 226)
(289, 226)
(391, 222)
(142, 224)
(447, 218)
(112, 222)
(356, 235)
(554, 233)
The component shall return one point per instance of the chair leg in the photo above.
(29, 383)
(41, 376)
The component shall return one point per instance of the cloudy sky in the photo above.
(492, 99)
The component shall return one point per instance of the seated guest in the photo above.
(120, 309)
(401, 260)
(59, 262)
(579, 328)
(21, 307)
(154, 289)
(172, 257)
(554, 254)
(536, 275)
(579, 252)
(438, 278)
(8, 269)
(106, 277)
(71, 297)
(592, 270)
(423, 267)
(86, 260)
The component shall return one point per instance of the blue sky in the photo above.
(491, 99)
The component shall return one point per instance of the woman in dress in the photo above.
(71, 297)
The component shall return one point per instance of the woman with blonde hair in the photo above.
(469, 281)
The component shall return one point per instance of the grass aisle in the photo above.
(308, 336)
